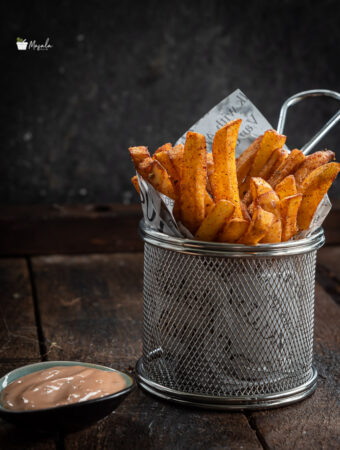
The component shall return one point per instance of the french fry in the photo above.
(224, 179)
(259, 226)
(164, 159)
(271, 140)
(233, 230)
(134, 181)
(274, 233)
(245, 160)
(210, 170)
(208, 203)
(243, 190)
(313, 188)
(289, 207)
(160, 180)
(269, 201)
(286, 187)
(138, 154)
(311, 163)
(274, 161)
(215, 220)
(262, 194)
(163, 148)
(287, 167)
(176, 155)
(144, 168)
(245, 213)
(193, 181)
(277, 157)
(251, 209)
(258, 186)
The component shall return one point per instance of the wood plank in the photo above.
(18, 343)
(328, 271)
(76, 229)
(329, 257)
(18, 332)
(331, 224)
(91, 307)
(52, 229)
(313, 423)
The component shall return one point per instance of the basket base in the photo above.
(227, 403)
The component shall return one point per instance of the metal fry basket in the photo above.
(228, 326)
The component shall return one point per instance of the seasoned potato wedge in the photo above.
(274, 161)
(289, 166)
(274, 233)
(215, 220)
(193, 181)
(138, 154)
(233, 230)
(224, 179)
(245, 160)
(259, 226)
(313, 188)
(311, 163)
(289, 207)
(134, 181)
(286, 187)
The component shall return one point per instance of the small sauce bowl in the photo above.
(66, 417)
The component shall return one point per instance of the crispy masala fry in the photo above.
(274, 161)
(134, 181)
(274, 233)
(224, 179)
(271, 140)
(138, 154)
(313, 188)
(233, 230)
(289, 207)
(193, 181)
(215, 220)
(287, 167)
(245, 160)
(286, 187)
(311, 163)
(259, 226)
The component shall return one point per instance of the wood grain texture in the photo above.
(19, 344)
(328, 271)
(91, 308)
(83, 229)
(329, 257)
(51, 229)
(313, 423)
(18, 332)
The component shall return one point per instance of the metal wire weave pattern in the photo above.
(227, 326)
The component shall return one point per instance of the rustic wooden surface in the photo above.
(107, 228)
(89, 307)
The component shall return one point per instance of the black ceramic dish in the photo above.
(68, 417)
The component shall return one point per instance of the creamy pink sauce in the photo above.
(60, 385)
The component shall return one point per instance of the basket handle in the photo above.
(296, 99)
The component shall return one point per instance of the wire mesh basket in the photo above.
(228, 326)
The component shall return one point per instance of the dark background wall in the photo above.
(128, 73)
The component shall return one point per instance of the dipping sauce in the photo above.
(60, 385)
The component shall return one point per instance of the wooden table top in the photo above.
(88, 307)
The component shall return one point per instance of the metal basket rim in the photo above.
(195, 247)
